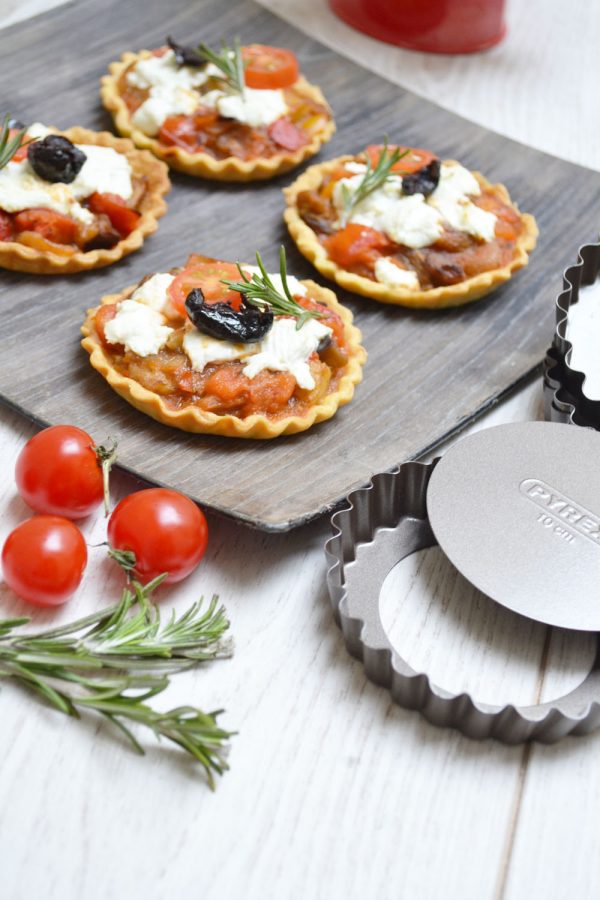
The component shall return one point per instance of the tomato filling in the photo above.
(205, 131)
(45, 229)
(451, 259)
(222, 387)
(50, 231)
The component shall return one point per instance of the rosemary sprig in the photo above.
(229, 61)
(115, 660)
(372, 179)
(260, 291)
(8, 145)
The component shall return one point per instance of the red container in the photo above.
(435, 26)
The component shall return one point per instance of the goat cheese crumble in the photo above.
(104, 171)
(173, 91)
(417, 221)
(140, 326)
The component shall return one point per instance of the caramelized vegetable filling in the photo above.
(452, 256)
(222, 387)
(205, 130)
(45, 170)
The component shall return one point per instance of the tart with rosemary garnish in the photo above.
(226, 349)
(237, 114)
(74, 200)
(398, 225)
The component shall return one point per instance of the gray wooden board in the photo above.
(427, 373)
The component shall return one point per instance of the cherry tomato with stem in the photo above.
(163, 529)
(61, 472)
(43, 560)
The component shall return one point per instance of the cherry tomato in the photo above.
(269, 67)
(286, 134)
(121, 216)
(49, 224)
(58, 472)
(165, 530)
(205, 273)
(43, 560)
(412, 162)
(6, 226)
(355, 245)
(104, 314)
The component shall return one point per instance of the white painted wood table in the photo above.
(333, 792)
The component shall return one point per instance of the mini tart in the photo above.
(202, 165)
(21, 258)
(257, 426)
(466, 291)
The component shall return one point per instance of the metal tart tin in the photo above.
(515, 525)
(565, 400)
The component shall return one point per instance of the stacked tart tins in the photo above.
(572, 364)
(516, 509)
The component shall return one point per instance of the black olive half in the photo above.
(55, 158)
(221, 321)
(424, 181)
(185, 56)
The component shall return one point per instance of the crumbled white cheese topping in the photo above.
(153, 292)
(286, 348)
(202, 349)
(154, 71)
(172, 92)
(583, 331)
(139, 327)
(283, 349)
(295, 286)
(451, 198)
(416, 221)
(104, 170)
(388, 272)
(253, 107)
(164, 101)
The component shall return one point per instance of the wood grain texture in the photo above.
(333, 793)
(427, 373)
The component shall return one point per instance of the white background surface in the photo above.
(333, 792)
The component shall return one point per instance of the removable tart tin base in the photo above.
(565, 399)
(390, 519)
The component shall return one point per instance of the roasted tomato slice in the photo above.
(121, 216)
(104, 314)
(355, 245)
(508, 220)
(286, 134)
(6, 226)
(206, 274)
(269, 67)
(187, 131)
(412, 162)
(49, 224)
